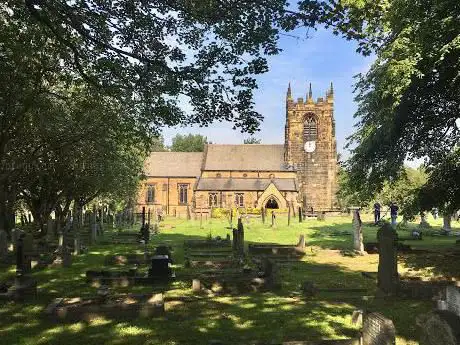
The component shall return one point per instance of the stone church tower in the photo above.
(310, 148)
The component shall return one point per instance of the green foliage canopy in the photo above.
(188, 143)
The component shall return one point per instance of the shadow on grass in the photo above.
(264, 317)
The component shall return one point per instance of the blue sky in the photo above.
(319, 59)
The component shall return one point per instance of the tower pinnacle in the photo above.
(310, 94)
(289, 93)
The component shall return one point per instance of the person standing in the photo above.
(393, 213)
(376, 213)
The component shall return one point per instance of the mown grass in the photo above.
(266, 317)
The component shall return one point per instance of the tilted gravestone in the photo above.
(357, 232)
(378, 330)
(387, 279)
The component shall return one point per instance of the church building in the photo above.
(300, 172)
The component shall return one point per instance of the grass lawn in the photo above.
(267, 317)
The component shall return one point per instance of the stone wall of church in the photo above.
(166, 194)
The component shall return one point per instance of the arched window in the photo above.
(213, 199)
(150, 195)
(310, 131)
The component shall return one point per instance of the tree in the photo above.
(148, 56)
(188, 143)
(252, 140)
(156, 54)
(408, 100)
(102, 157)
(158, 144)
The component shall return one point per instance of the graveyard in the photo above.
(313, 288)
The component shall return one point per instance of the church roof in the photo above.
(173, 164)
(245, 184)
(252, 157)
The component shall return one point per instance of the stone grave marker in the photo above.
(387, 279)
(15, 234)
(240, 237)
(28, 250)
(160, 267)
(357, 232)
(301, 243)
(378, 330)
(439, 327)
(453, 299)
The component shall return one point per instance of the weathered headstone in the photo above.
(273, 219)
(28, 251)
(388, 279)
(300, 215)
(439, 327)
(3, 244)
(453, 299)
(196, 285)
(321, 216)
(20, 259)
(301, 243)
(15, 234)
(378, 330)
(357, 232)
(240, 237)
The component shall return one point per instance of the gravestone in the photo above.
(20, 259)
(262, 212)
(439, 327)
(301, 243)
(273, 219)
(388, 279)
(453, 299)
(357, 232)
(240, 237)
(159, 267)
(15, 234)
(378, 330)
(3, 245)
(321, 216)
(28, 250)
(196, 285)
(300, 215)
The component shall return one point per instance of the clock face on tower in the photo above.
(310, 146)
